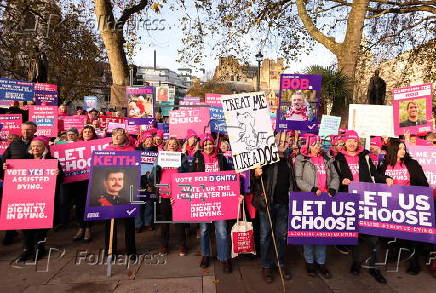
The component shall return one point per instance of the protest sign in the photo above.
(11, 124)
(426, 156)
(28, 194)
(113, 125)
(148, 160)
(140, 102)
(113, 185)
(162, 93)
(46, 117)
(329, 125)
(217, 120)
(75, 157)
(104, 120)
(405, 212)
(137, 125)
(203, 196)
(185, 102)
(169, 159)
(77, 121)
(196, 119)
(213, 100)
(371, 120)
(46, 94)
(165, 127)
(90, 102)
(322, 220)
(166, 107)
(413, 109)
(299, 102)
(250, 130)
(16, 90)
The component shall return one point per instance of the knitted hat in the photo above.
(43, 139)
(351, 134)
(376, 141)
(190, 133)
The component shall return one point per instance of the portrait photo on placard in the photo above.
(413, 112)
(113, 185)
(298, 105)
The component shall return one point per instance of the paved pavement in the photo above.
(78, 267)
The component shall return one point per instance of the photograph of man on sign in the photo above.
(111, 186)
(300, 108)
(410, 113)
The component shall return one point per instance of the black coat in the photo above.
(199, 166)
(367, 170)
(417, 176)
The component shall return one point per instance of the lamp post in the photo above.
(259, 58)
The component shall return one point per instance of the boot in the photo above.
(227, 266)
(87, 236)
(26, 255)
(267, 275)
(324, 272)
(204, 262)
(432, 268)
(79, 235)
(40, 251)
(355, 268)
(310, 268)
(375, 273)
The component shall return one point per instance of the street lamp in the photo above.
(259, 58)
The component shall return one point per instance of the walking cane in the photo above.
(109, 254)
(272, 234)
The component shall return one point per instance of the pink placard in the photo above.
(210, 196)
(426, 156)
(46, 117)
(213, 100)
(77, 121)
(28, 194)
(413, 109)
(11, 125)
(75, 157)
(196, 119)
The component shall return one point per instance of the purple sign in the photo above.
(46, 94)
(299, 102)
(148, 191)
(322, 219)
(217, 120)
(113, 185)
(405, 212)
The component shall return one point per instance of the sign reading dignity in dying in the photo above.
(250, 130)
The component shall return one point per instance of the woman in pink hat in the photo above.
(356, 165)
(164, 178)
(207, 159)
(35, 239)
(158, 139)
(315, 172)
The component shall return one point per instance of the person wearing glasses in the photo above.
(315, 172)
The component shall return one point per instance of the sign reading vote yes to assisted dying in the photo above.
(405, 212)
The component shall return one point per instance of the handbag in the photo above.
(242, 235)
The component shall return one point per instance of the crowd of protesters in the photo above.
(305, 165)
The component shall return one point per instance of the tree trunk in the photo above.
(347, 52)
(113, 41)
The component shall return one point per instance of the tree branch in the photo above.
(403, 4)
(132, 10)
(379, 12)
(314, 32)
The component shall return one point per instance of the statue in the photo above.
(38, 68)
(376, 90)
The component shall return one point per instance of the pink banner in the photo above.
(77, 121)
(196, 119)
(205, 196)
(75, 157)
(46, 117)
(413, 109)
(28, 194)
(214, 100)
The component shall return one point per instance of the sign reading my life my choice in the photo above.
(322, 219)
(28, 197)
(405, 212)
(205, 196)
